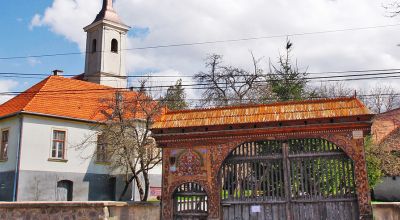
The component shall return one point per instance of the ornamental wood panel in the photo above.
(288, 179)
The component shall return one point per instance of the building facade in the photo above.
(386, 134)
(44, 152)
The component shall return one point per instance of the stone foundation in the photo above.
(79, 210)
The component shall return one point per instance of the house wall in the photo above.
(385, 131)
(38, 175)
(37, 143)
(7, 168)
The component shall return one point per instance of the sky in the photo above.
(56, 26)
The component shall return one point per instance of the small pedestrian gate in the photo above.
(291, 179)
(190, 202)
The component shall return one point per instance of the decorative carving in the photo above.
(219, 149)
(189, 163)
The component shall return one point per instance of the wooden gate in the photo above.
(190, 202)
(291, 179)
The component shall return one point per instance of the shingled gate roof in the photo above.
(275, 112)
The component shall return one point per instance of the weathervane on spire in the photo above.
(107, 5)
(108, 13)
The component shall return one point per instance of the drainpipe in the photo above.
(17, 163)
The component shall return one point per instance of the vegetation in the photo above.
(286, 81)
(175, 97)
(124, 139)
(229, 85)
(374, 162)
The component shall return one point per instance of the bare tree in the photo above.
(124, 139)
(228, 85)
(392, 9)
(381, 98)
(331, 90)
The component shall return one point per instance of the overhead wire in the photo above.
(17, 74)
(376, 75)
(208, 42)
(202, 86)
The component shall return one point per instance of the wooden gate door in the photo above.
(292, 179)
(190, 202)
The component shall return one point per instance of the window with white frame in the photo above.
(4, 144)
(58, 146)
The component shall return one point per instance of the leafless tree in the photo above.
(392, 9)
(381, 98)
(331, 90)
(124, 139)
(228, 85)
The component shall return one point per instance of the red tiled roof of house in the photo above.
(275, 112)
(61, 97)
(384, 124)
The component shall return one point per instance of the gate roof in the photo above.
(275, 112)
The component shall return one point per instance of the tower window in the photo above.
(94, 45)
(114, 46)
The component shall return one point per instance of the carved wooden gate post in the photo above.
(363, 193)
(354, 148)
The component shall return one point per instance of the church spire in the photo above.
(108, 13)
(105, 44)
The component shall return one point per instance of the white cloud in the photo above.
(68, 17)
(32, 61)
(178, 21)
(35, 22)
(6, 86)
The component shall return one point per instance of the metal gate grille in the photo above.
(190, 202)
(293, 179)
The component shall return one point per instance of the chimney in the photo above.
(57, 72)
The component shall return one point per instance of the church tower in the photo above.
(105, 48)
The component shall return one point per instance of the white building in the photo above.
(41, 128)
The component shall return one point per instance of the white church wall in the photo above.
(93, 58)
(113, 62)
(104, 66)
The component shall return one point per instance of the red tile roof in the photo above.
(61, 97)
(385, 124)
(275, 112)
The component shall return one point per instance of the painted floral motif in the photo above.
(190, 162)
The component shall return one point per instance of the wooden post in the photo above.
(286, 168)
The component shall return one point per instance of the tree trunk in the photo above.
(146, 185)
(139, 187)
